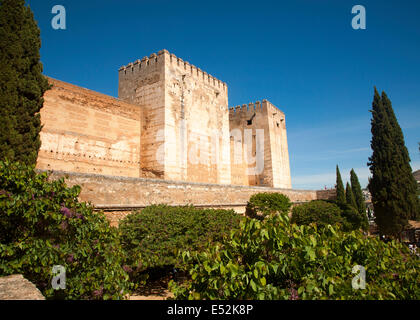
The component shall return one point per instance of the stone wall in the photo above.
(85, 131)
(327, 194)
(121, 195)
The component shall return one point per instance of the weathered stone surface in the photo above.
(126, 191)
(85, 131)
(121, 195)
(16, 287)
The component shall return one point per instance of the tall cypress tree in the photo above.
(380, 144)
(22, 84)
(350, 199)
(406, 180)
(341, 197)
(393, 196)
(360, 199)
(358, 193)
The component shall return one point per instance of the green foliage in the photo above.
(360, 200)
(321, 212)
(42, 224)
(263, 204)
(22, 84)
(324, 213)
(392, 186)
(158, 232)
(275, 259)
(358, 193)
(352, 219)
(350, 200)
(341, 197)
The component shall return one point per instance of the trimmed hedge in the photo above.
(42, 224)
(152, 237)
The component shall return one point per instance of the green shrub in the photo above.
(42, 224)
(263, 204)
(325, 213)
(157, 233)
(275, 259)
(321, 212)
(353, 219)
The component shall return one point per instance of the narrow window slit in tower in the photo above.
(249, 122)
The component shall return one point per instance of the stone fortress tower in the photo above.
(182, 107)
(269, 165)
(172, 122)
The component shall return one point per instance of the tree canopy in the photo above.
(22, 84)
(392, 185)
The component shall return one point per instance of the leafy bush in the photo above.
(157, 232)
(321, 212)
(325, 213)
(42, 224)
(275, 259)
(263, 204)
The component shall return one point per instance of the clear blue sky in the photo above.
(303, 56)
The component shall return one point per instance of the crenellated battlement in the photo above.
(145, 62)
(195, 71)
(250, 108)
(164, 55)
